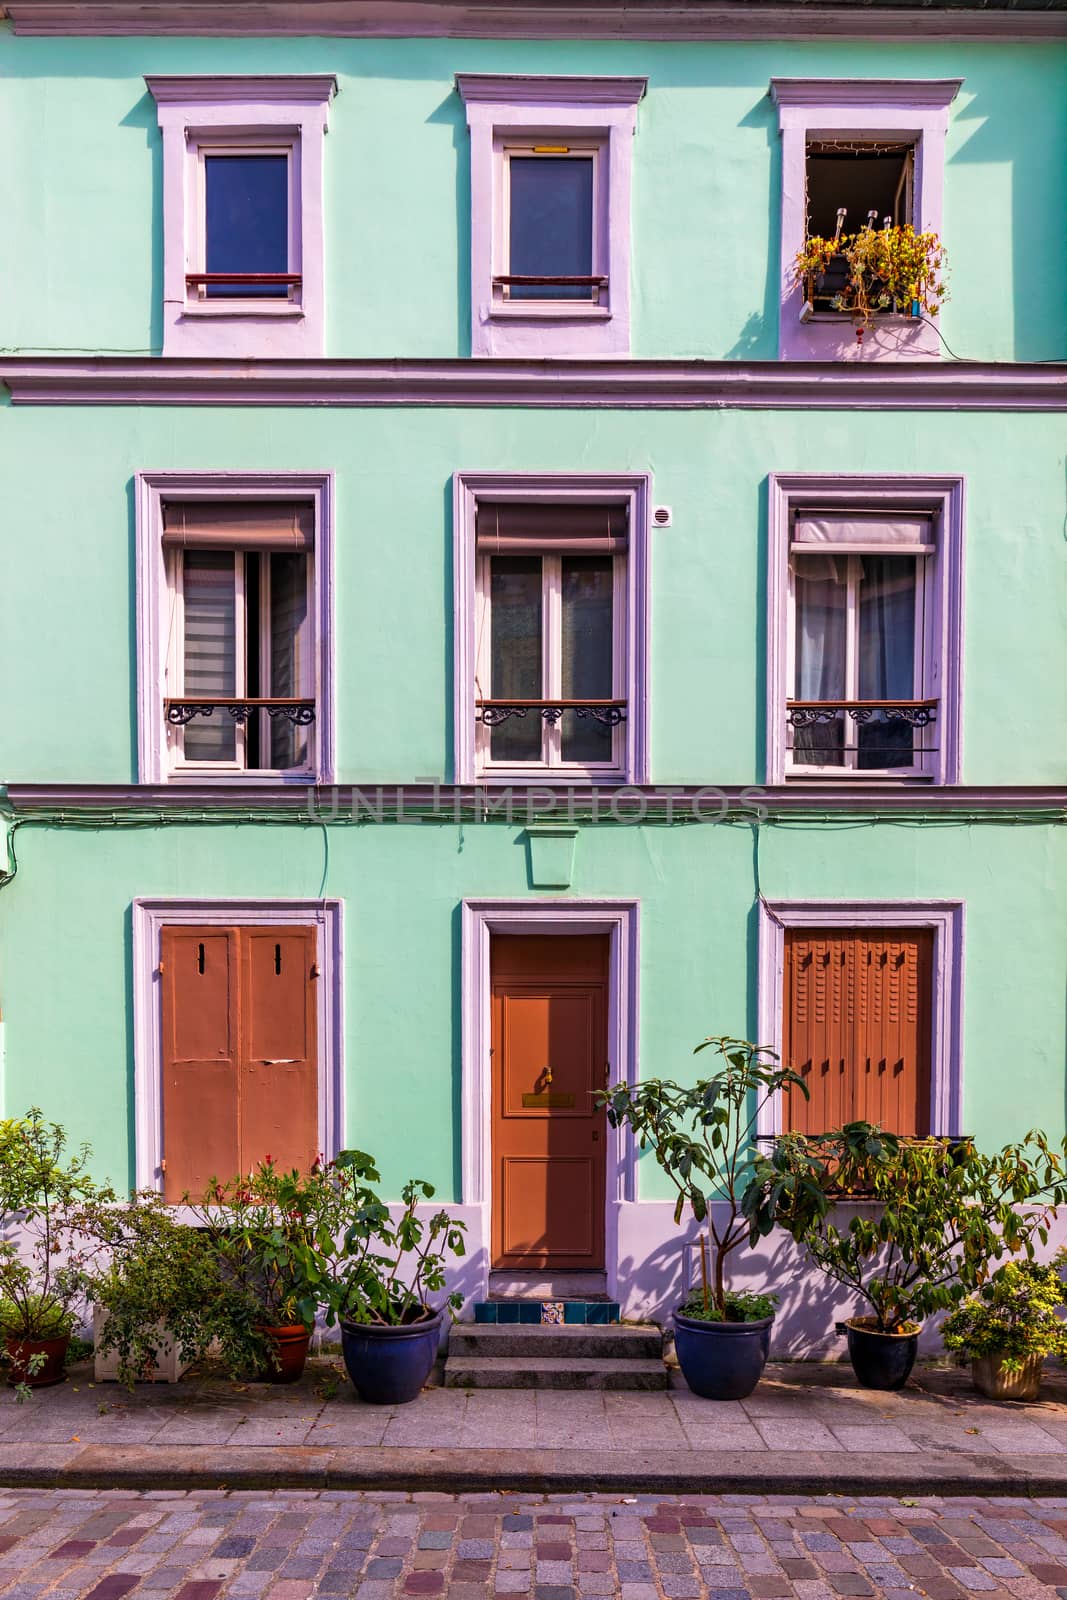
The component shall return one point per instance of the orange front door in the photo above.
(549, 1042)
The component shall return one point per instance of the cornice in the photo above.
(532, 19)
(449, 802)
(521, 88)
(238, 88)
(888, 92)
(601, 385)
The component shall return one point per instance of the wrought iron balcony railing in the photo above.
(240, 708)
(805, 713)
(493, 712)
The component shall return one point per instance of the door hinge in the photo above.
(163, 1165)
(314, 970)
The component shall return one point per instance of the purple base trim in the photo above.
(655, 385)
(640, 799)
(562, 19)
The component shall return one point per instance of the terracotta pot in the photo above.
(990, 1378)
(290, 1343)
(20, 1354)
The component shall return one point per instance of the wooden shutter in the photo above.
(200, 1052)
(857, 1026)
(279, 1068)
(240, 1052)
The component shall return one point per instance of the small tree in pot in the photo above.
(377, 1279)
(1010, 1326)
(938, 1213)
(702, 1138)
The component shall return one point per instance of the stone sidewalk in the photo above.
(345, 1545)
(807, 1429)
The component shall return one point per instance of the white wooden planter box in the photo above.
(168, 1368)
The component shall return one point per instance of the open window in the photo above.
(243, 213)
(848, 184)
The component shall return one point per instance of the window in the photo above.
(239, 1037)
(865, 145)
(864, 999)
(242, 666)
(551, 627)
(551, 640)
(850, 182)
(865, 620)
(550, 213)
(247, 214)
(242, 214)
(233, 595)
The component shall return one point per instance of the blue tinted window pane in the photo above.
(551, 224)
(247, 221)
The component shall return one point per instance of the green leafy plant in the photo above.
(164, 1284)
(382, 1270)
(942, 1213)
(1014, 1315)
(702, 1138)
(46, 1196)
(891, 266)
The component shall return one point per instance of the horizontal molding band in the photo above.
(544, 802)
(532, 19)
(603, 385)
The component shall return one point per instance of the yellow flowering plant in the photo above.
(889, 268)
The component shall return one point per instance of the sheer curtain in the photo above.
(821, 627)
(586, 653)
(289, 664)
(515, 653)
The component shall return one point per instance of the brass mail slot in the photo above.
(557, 1102)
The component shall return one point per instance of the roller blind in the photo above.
(861, 531)
(533, 528)
(239, 524)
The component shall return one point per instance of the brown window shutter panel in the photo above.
(199, 981)
(279, 1064)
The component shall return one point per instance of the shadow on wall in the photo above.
(143, 115)
(758, 338)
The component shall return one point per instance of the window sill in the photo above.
(535, 776)
(239, 775)
(852, 775)
(550, 311)
(881, 319)
(242, 308)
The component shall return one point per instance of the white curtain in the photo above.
(210, 650)
(290, 666)
(821, 623)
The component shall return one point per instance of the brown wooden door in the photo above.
(240, 1076)
(858, 1027)
(549, 1041)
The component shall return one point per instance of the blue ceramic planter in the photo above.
(879, 1360)
(721, 1360)
(388, 1366)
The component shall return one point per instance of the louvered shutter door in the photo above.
(857, 1026)
(279, 1068)
(199, 981)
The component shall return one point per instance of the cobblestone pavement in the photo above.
(288, 1545)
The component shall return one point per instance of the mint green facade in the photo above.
(84, 276)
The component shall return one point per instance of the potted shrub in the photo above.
(1009, 1326)
(938, 1213)
(45, 1195)
(377, 1281)
(163, 1294)
(891, 268)
(702, 1138)
(266, 1230)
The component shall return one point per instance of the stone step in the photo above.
(552, 1372)
(532, 1342)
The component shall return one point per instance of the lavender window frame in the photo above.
(152, 489)
(864, 108)
(598, 112)
(282, 113)
(635, 488)
(943, 499)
